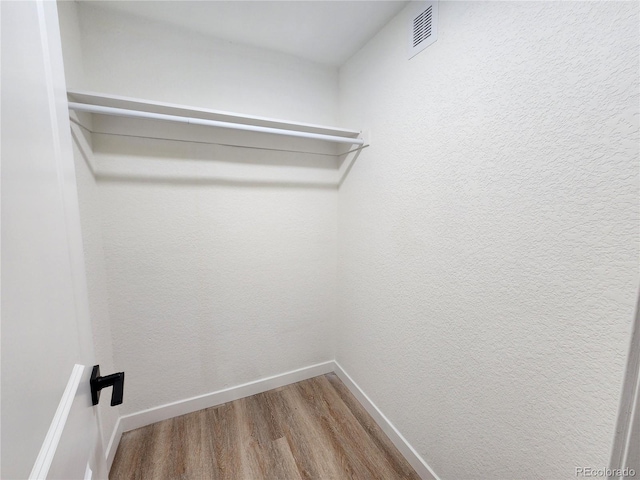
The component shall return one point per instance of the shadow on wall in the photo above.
(146, 152)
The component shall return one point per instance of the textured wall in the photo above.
(488, 240)
(90, 218)
(129, 56)
(213, 286)
(212, 282)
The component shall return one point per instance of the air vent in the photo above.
(423, 27)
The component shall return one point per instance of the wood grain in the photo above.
(313, 429)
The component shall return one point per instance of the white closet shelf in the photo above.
(104, 104)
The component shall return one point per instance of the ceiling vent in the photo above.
(423, 27)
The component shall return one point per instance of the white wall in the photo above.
(129, 56)
(212, 280)
(90, 218)
(213, 286)
(488, 239)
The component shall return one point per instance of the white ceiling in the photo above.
(327, 32)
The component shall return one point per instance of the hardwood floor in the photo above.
(313, 429)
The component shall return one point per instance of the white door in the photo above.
(49, 427)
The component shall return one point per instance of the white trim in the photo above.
(182, 407)
(413, 457)
(112, 448)
(628, 399)
(633, 417)
(50, 444)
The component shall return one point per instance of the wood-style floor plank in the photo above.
(376, 435)
(283, 464)
(311, 430)
(223, 439)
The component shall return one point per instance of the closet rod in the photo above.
(83, 107)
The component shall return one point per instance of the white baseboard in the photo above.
(415, 460)
(182, 407)
(113, 443)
